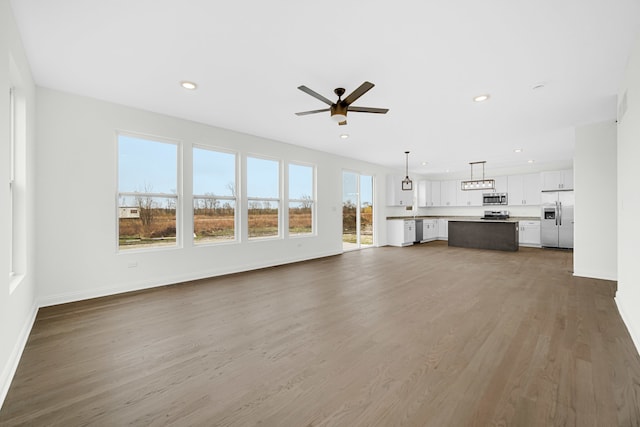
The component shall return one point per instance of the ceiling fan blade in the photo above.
(315, 94)
(369, 110)
(364, 88)
(304, 113)
(342, 123)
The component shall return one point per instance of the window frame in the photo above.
(12, 178)
(250, 199)
(236, 198)
(296, 200)
(177, 196)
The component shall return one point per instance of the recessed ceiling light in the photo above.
(530, 161)
(344, 136)
(517, 150)
(481, 98)
(424, 163)
(188, 85)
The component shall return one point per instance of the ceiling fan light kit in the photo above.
(340, 108)
(478, 184)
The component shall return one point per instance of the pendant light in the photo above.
(407, 184)
(478, 184)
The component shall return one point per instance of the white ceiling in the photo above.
(426, 58)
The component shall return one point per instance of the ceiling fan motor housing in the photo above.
(339, 108)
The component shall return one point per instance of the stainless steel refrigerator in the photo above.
(556, 221)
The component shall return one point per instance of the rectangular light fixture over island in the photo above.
(478, 184)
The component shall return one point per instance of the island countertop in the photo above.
(466, 218)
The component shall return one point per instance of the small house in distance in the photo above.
(129, 212)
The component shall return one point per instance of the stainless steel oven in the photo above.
(489, 199)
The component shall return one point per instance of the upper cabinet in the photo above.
(524, 189)
(424, 193)
(395, 195)
(435, 193)
(501, 184)
(557, 180)
(448, 193)
(428, 193)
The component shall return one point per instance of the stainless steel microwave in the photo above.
(489, 199)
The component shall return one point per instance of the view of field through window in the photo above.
(214, 199)
(263, 197)
(357, 210)
(147, 192)
(301, 199)
(148, 201)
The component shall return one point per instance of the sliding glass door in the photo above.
(357, 210)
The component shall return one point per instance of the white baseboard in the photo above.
(167, 280)
(596, 275)
(628, 321)
(9, 370)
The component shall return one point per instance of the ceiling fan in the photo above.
(341, 106)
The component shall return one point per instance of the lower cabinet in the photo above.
(443, 229)
(529, 233)
(429, 230)
(401, 232)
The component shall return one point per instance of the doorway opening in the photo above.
(357, 211)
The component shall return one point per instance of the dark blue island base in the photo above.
(488, 234)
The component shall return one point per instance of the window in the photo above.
(18, 190)
(357, 210)
(214, 196)
(12, 178)
(263, 198)
(147, 193)
(301, 199)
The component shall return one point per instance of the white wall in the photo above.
(628, 297)
(595, 181)
(76, 225)
(17, 292)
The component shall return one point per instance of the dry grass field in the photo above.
(207, 227)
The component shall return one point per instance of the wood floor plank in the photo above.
(426, 335)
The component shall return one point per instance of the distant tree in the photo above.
(146, 206)
(307, 202)
(171, 205)
(232, 188)
(210, 204)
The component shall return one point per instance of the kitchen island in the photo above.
(500, 234)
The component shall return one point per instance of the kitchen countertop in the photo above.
(467, 218)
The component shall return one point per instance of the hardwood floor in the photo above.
(423, 336)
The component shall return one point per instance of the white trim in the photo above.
(596, 275)
(68, 297)
(627, 321)
(9, 369)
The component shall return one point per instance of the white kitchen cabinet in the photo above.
(524, 189)
(401, 232)
(429, 230)
(501, 184)
(443, 229)
(395, 195)
(557, 180)
(529, 233)
(448, 193)
(424, 194)
(435, 194)
(428, 194)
